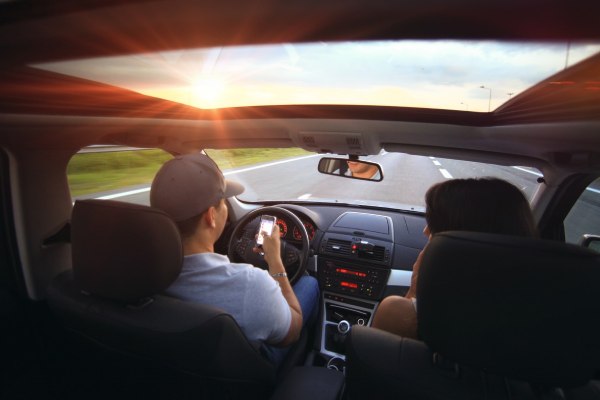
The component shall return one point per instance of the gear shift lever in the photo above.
(339, 337)
(343, 327)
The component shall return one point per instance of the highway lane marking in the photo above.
(593, 190)
(538, 174)
(269, 164)
(529, 171)
(147, 189)
(445, 173)
(121, 194)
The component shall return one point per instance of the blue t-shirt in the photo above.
(249, 294)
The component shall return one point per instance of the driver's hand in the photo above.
(272, 247)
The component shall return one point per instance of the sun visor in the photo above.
(337, 142)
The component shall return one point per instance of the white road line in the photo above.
(445, 173)
(304, 196)
(268, 165)
(432, 158)
(121, 194)
(436, 163)
(538, 174)
(147, 189)
(528, 171)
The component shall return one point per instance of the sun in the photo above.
(207, 92)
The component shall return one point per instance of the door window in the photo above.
(114, 173)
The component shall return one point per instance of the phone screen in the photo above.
(266, 227)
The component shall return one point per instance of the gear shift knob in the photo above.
(343, 327)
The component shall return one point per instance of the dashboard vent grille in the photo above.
(338, 246)
(377, 254)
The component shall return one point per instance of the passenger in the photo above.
(192, 190)
(481, 205)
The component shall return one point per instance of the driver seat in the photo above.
(125, 335)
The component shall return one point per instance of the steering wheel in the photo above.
(243, 240)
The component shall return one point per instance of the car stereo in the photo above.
(355, 280)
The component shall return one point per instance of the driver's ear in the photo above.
(210, 217)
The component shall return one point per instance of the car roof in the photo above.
(563, 109)
(35, 32)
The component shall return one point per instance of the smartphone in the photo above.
(266, 227)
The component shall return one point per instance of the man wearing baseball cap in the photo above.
(192, 190)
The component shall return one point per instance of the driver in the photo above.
(363, 170)
(192, 190)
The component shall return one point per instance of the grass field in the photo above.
(99, 172)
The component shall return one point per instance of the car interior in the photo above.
(84, 271)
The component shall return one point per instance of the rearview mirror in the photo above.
(354, 169)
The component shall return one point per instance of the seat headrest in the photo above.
(123, 251)
(519, 307)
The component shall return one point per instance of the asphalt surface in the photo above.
(406, 179)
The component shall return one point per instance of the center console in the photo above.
(353, 265)
(340, 312)
(353, 269)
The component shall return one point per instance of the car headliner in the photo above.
(31, 33)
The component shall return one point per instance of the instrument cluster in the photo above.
(289, 231)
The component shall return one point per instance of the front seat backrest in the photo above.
(123, 251)
(124, 255)
(518, 307)
(499, 317)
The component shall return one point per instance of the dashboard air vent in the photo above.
(338, 246)
(377, 254)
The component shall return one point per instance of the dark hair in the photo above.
(187, 227)
(482, 205)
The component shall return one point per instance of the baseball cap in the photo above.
(188, 185)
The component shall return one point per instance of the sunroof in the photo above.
(456, 75)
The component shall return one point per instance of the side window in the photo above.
(584, 217)
(114, 172)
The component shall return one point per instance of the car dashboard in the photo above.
(359, 256)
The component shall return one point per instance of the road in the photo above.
(406, 179)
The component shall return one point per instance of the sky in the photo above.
(432, 74)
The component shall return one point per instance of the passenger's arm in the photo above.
(271, 247)
(412, 290)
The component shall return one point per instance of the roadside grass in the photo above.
(99, 172)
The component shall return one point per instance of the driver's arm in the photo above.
(271, 247)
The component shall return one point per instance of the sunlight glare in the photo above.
(206, 92)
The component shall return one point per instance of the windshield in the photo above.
(406, 178)
(284, 175)
(474, 76)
